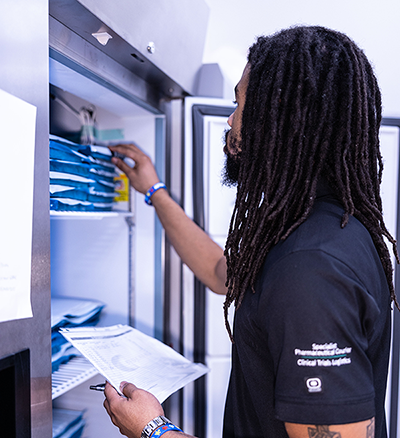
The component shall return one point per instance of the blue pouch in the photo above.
(81, 194)
(67, 179)
(95, 172)
(68, 204)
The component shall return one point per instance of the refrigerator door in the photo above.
(390, 141)
(115, 257)
(210, 205)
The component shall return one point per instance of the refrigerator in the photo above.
(137, 82)
(56, 60)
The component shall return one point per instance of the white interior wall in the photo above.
(141, 131)
(374, 26)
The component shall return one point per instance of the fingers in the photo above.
(122, 165)
(128, 389)
(110, 392)
(112, 398)
(143, 175)
(132, 154)
(106, 405)
(130, 150)
(132, 412)
(124, 147)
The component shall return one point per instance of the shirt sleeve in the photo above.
(317, 317)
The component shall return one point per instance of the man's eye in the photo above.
(234, 102)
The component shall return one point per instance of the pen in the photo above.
(98, 387)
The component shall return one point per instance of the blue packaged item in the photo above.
(93, 151)
(61, 152)
(81, 177)
(67, 423)
(67, 179)
(67, 204)
(70, 312)
(73, 312)
(63, 355)
(81, 194)
(97, 152)
(94, 171)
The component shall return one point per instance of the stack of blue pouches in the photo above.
(67, 423)
(70, 312)
(81, 177)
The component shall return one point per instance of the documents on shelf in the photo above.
(67, 423)
(68, 311)
(122, 353)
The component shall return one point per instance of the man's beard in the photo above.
(230, 172)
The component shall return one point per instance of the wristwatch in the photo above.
(154, 424)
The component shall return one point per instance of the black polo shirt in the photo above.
(312, 343)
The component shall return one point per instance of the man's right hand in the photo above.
(142, 175)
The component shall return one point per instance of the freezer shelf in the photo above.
(88, 214)
(78, 370)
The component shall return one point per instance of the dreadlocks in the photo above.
(313, 107)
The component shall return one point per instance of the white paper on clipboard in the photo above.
(17, 127)
(122, 353)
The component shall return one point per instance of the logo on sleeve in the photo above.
(313, 384)
(323, 355)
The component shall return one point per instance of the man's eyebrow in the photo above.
(236, 90)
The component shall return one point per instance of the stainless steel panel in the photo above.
(24, 73)
(176, 28)
(70, 49)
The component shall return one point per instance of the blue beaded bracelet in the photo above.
(152, 190)
(165, 428)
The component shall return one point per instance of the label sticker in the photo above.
(122, 188)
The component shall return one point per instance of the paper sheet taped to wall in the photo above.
(122, 353)
(17, 127)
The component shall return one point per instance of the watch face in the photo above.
(152, 425)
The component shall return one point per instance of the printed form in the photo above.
(122, 353)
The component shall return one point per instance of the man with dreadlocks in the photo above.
(305, 262)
